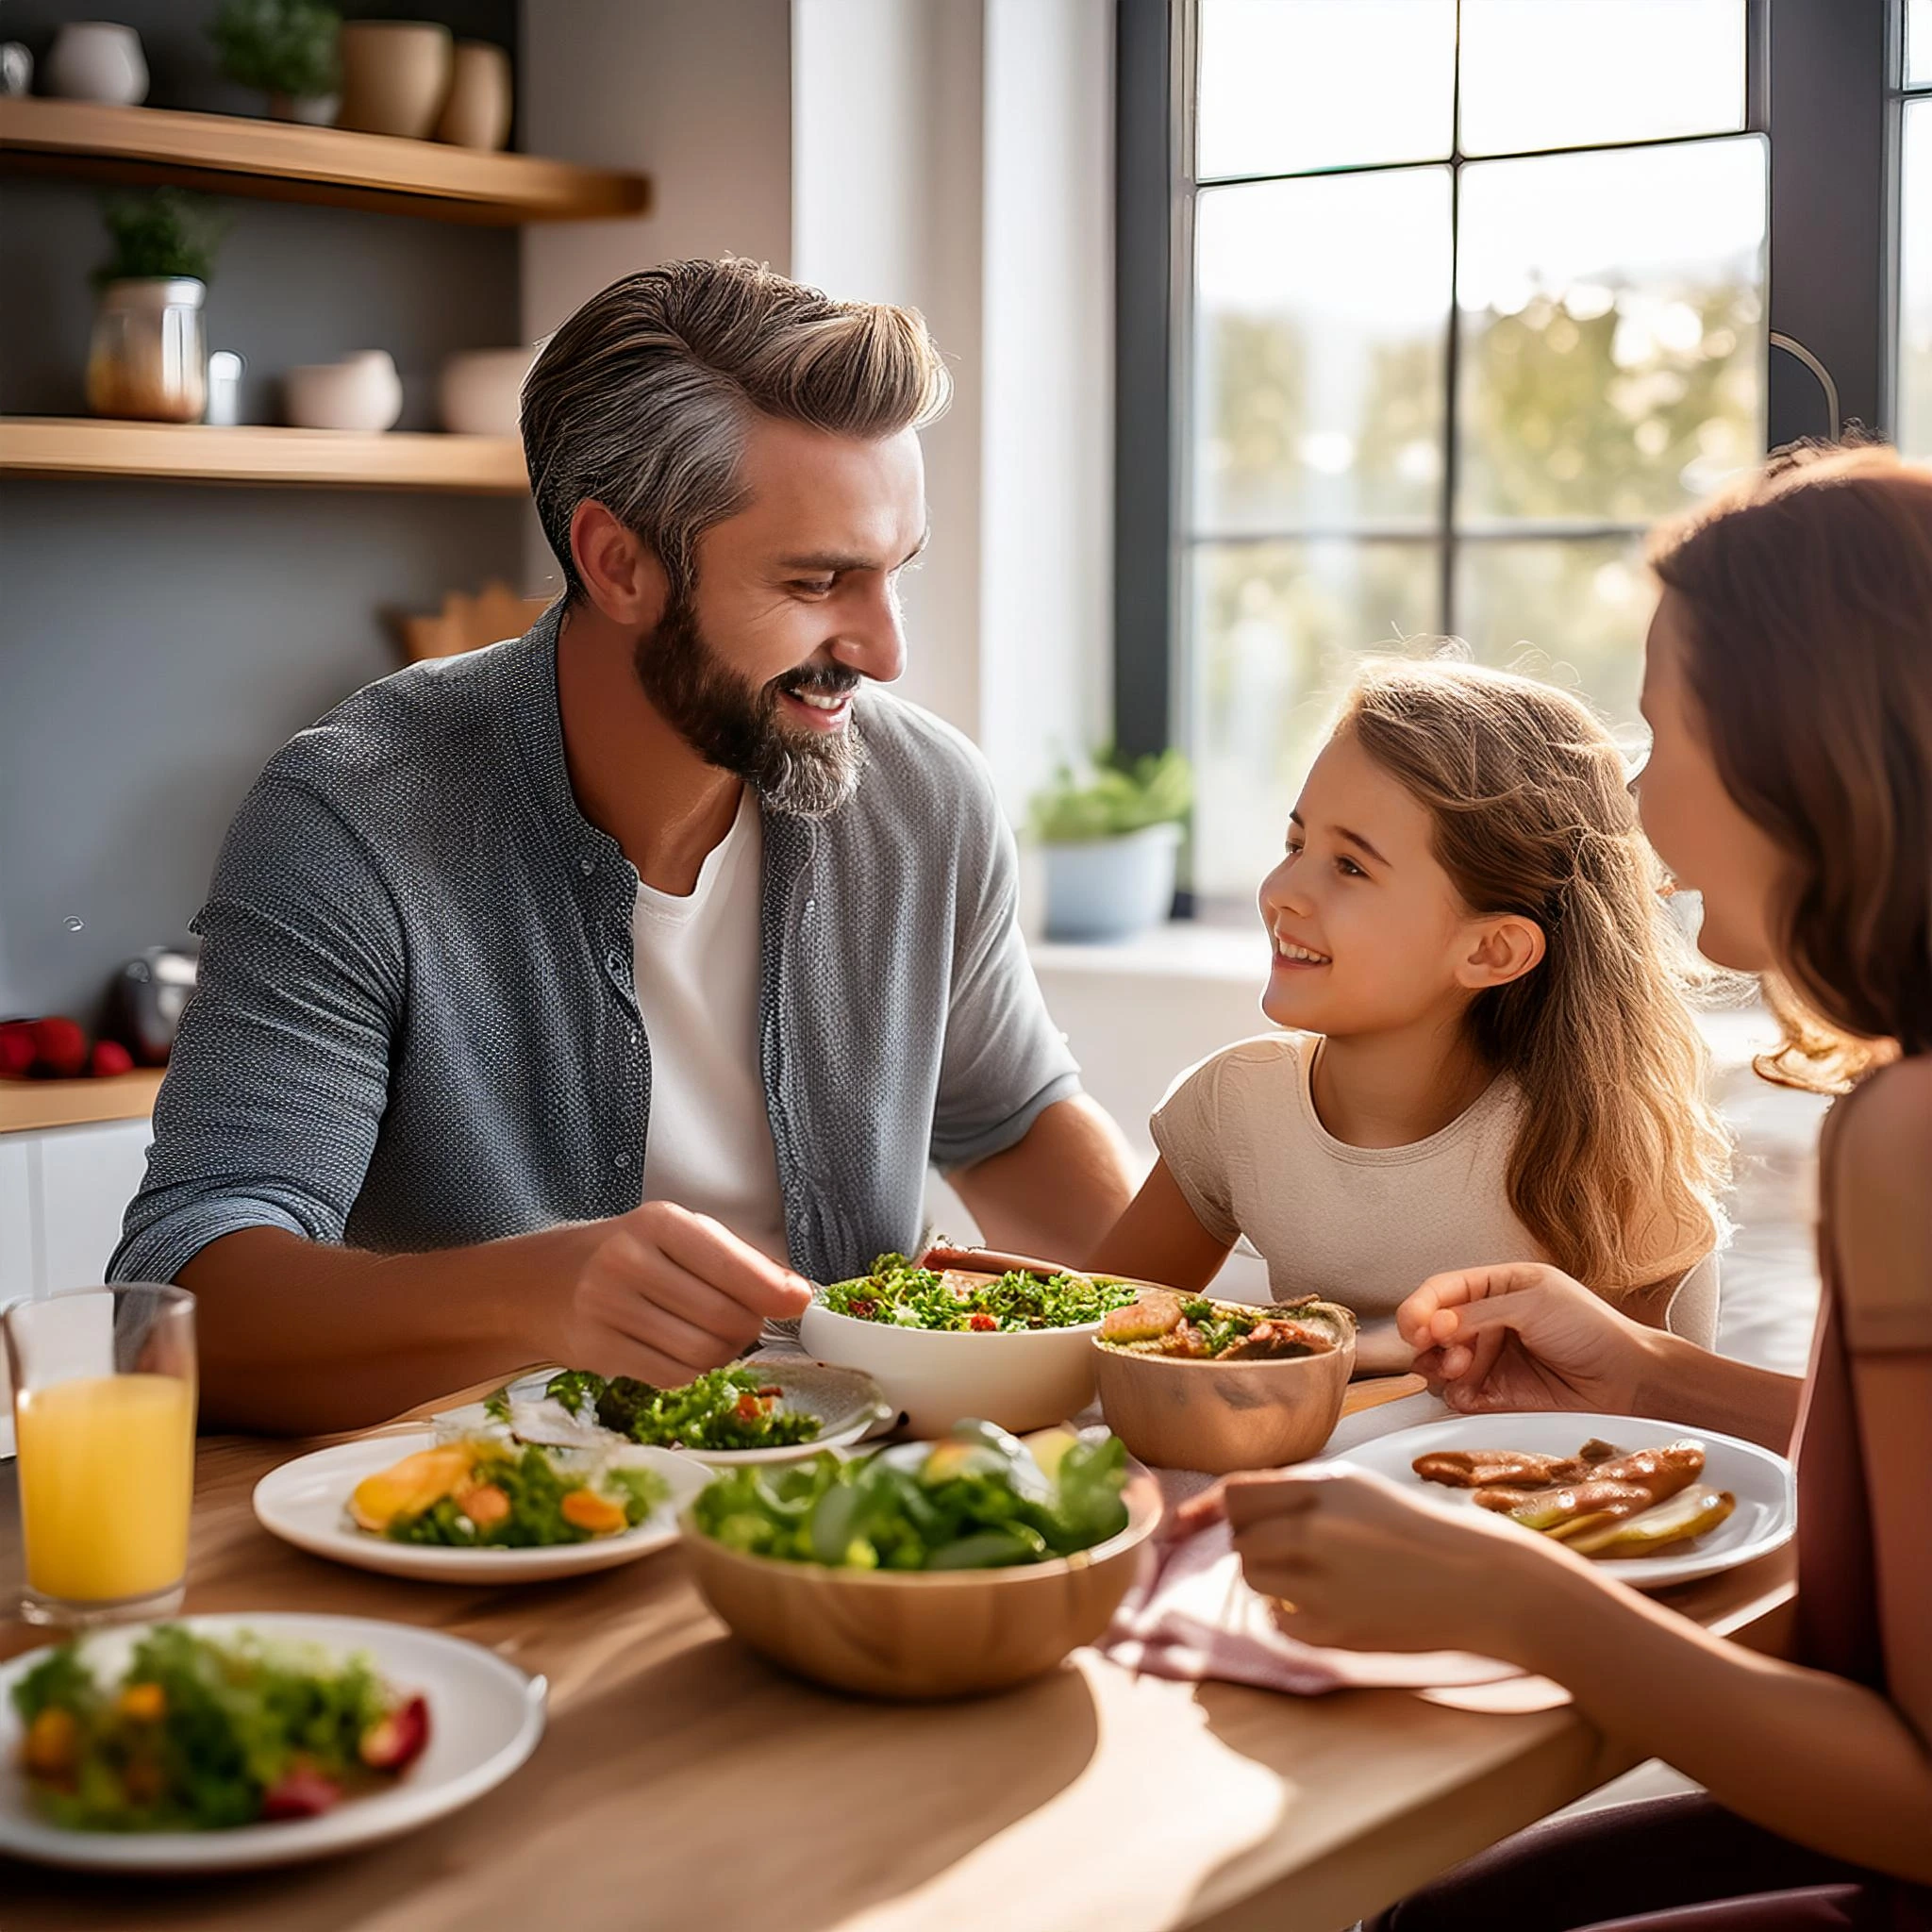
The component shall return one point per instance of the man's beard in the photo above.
(738, 726)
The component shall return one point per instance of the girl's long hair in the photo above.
(1620, 1159)
(1808, 590)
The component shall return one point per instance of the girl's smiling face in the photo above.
(1370, 933)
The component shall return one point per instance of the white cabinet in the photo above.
(88, 1177)
(63, 1193)
(19, 1243)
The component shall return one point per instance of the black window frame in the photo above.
(1824, 81)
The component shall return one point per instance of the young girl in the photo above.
(1486, 1057)
(1790, 684)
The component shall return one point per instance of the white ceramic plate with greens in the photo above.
(485, 1719)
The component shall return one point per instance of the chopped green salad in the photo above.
(479, 1493)
(899, 1293)
(726, 1408)
(202, 1733)
(979, 1500)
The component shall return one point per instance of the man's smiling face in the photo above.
(795, 602)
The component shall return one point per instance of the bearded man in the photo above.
(571, 1000)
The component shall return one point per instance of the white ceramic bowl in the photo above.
(362, 391)
(939, 1376)
(479, 390)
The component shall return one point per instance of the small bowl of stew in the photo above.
(1190, 1382)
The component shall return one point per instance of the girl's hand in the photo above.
(1354, 1562)
(1522, 1336)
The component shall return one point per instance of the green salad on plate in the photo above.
(725, 1409)
(202, 1733)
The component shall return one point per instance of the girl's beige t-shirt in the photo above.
(1361, 1225)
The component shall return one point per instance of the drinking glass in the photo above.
(104, 1393)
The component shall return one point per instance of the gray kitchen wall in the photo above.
(159, 641)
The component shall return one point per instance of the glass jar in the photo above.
(148, 359)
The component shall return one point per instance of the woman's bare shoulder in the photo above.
(1879, 1197)
(1886, 1128)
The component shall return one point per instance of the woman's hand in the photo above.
(1522, 1336)
(1356, 1563)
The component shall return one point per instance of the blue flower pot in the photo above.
(1111, 888)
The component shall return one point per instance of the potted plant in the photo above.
(1111, 837)
(287, 49)
(148, 358)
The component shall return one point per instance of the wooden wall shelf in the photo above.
(301, 459)
(28, 1105)
(230, 154)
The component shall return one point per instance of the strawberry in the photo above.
(301, 1792)
(394, 1741)
(59, 1047)
(16, 1049)
(109, 1059)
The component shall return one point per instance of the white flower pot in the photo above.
(97, 60)
(308, 110)
(1111, 888)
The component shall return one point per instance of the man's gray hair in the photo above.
(641, 400)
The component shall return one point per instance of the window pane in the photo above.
(1613, 332)
(1321, 313)
(1574, 611)
(1915, 283)
(1918, 43)
(1292, 84)
(1275, 628)
(1537, 74)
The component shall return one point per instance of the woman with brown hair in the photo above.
(1788, 683)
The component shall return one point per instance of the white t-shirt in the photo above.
(1365, 1225)
(696, 966)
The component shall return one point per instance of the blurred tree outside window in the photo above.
(1476, 293)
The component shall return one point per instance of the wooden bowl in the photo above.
(922, 1634)
(1173, 1413)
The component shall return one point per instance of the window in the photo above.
(1441, 305)
(1914, 336)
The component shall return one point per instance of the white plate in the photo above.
(303, 1502)
(848, 1402)
(1765, 1519)
(485, 1718)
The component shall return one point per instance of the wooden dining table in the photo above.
(683, 1782)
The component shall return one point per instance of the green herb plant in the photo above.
(1119, 795)
(164, 235)
(279, 46)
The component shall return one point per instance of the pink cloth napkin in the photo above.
(1191, 1616)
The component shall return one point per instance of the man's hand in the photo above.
(1522, 1336)
(665, 1294)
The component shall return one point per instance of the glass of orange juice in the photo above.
(103, 1393)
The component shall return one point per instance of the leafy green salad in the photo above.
(203, 1733)
(898, 1291)
(726, 1408)
(979, 1500)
